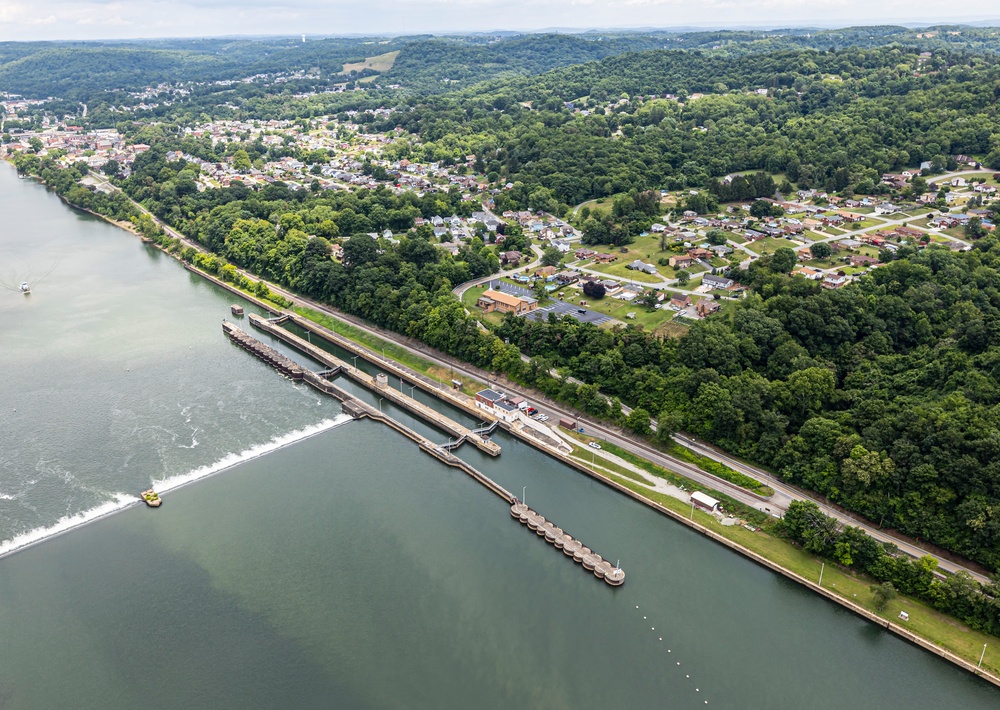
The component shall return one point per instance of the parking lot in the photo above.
(504, 287)
(561, 308)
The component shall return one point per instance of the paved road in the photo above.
(775, 505)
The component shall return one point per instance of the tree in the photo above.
(241, 161)
(760, 209)
(111, 168)
(594, 289)
(716, 237)
(974, 228)
(883, 594)
(683, 278)
(638, 421)
(820, 250)
(783, 260)
(551, 256)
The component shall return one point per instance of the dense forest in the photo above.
(863, 111)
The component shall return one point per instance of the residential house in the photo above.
(680, 302)
(837, 280)
(862, 260)
(567, 277)
(717, 282)
(680, 262)
(641, 266)
(808, 272)
(706, 308)
(510, 258)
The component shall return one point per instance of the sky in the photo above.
(121, 19)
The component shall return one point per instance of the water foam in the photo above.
(66, 523)
(120, 501)
(174, 482)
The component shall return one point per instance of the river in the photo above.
(329, 563)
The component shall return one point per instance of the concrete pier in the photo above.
(358, 409)
(459, 433)
(555, 536)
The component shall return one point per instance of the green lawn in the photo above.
(618, 269)
(770, 244)
(616, 308)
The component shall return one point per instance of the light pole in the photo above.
(692, 511)
(355, 362)
(822, 567)
(412, 387)
(379, 405)
(981, 656)
(524, 491)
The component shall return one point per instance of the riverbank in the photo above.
(647, 499)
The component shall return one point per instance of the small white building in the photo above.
(705, 502)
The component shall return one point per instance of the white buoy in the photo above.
(687, 676)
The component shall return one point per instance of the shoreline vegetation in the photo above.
(934, 631)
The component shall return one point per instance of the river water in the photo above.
(329, 563)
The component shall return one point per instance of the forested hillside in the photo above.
(866, 111)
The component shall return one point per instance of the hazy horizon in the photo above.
(154, 19)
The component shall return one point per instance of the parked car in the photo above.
(532, 410)
(594, 445)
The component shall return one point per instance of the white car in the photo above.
(594, 445)
(544, 418)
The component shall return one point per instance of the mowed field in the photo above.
(380, 63)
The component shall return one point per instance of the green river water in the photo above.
(329, 563)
